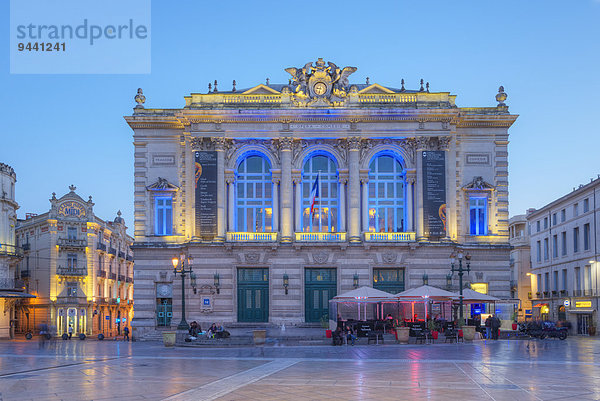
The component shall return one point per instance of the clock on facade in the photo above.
(320, 88)
(163, 290)
(71, 209)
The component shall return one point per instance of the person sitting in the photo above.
(221, 332)
(194, 329)
(337, 336)
(212, 331)
(350, 337)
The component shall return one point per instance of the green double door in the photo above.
(253, 295)
(320, 285)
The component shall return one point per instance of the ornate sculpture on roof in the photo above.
(319, 84)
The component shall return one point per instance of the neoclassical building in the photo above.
(79, 266)
(284, 195)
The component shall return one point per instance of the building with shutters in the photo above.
(284, 195)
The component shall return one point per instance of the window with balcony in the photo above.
(71, 289)
(576, 239)
(563, 240)
(577, 279)
(72, 261)
(163, 215)
(539, 251)
(546, 282)
(555, 246)
(564, 280)
(555, 281)
(254, 199)
(478, 215)
(72, 232)
(545, 248)
(323, 215)
(386, 195)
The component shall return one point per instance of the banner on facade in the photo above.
(206, 194)
(434, 193)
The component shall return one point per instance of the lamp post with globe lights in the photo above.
(460, 270)
(179, 267)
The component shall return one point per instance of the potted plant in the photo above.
(592, 330)
(433, 329)
(402, 334)
(514, 324)
(325, 324)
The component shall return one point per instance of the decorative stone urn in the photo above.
(169, 338)
(402, 334)
(468, 333)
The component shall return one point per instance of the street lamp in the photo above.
(177, 268)
(355, 280)
(460, 270)
(425, 279)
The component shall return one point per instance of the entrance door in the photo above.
(320, 286)
(253, 295)
(583, 323)
(164, 312)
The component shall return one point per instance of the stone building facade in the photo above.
(287, 194)
(520, 265)
(11, 289)
(564, 257)
(79, 266)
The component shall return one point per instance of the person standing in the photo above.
(495, 327)
(70, 330)
(488, 327)
(126, 333)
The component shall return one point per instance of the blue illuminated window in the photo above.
(254, 211)
(163, 215)
(386, 195)
(478, 215)
(324, 217)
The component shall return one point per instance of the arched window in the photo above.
(254, 212)
(324, 216)
(386, 195)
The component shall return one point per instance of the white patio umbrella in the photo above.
(364, 295)
(426, 291)
(472, 296)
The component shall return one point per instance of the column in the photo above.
(285, 149)
(220, 148)
(365, 203)
(230, 180)
(353, 189)
(422, 144)
(410, 181)
(275, 208)
(298, 202)
(342, 223)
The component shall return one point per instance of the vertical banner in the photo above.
(206, 194)
(434, 193)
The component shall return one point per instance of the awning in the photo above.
(581, 310)
(15, 294)
(539, 305)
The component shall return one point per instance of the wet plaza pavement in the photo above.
(114, 370)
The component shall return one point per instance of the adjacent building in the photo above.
(520, 265)
(564, 258)
(284, 195)
(11, 289)
(79, 266)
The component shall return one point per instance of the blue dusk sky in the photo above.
(69, 129)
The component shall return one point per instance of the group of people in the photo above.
(340, 333)
(492, 326)
(214, 331)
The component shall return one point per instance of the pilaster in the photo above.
(354, 189)
(285, 149)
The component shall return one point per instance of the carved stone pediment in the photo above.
(478, 184)
(162, 184)
(389, 257)
(320, 257)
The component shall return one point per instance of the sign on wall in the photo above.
(434, 193)
(206, 194)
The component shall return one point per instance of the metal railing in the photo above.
(251, 237)
(101, 273)
(121, 277)
(129, 258)
(112, 251)
(101, 246)
(72, 242)
(11, 250)
(112, 276)
(129, 279)
(122, 254)
(12, 284)
(390, 237)
(71, 271)
(320, 237)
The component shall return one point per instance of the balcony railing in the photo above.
(11, 284)
(390, 237)
(112, 251)
(112, 276)
(71, 271)
(11, 250)
(25, 274)
(122, 254)
(129, 258)
(101, 247)
(251, 237)
(72, 243)
(121, 277)
(26, 246)
(129, 279)
(320, 237)
(101, 273)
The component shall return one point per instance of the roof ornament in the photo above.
(215, 89)
(367, 81)
(233, 90)
(427, 87)
(421, 89)
(501, 96)
(53, 195)
(72, 188)
(140, 99)
(267, 81)
(402, 88)
(90, 199)
(209, 87)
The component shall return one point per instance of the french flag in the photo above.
(314, 194)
